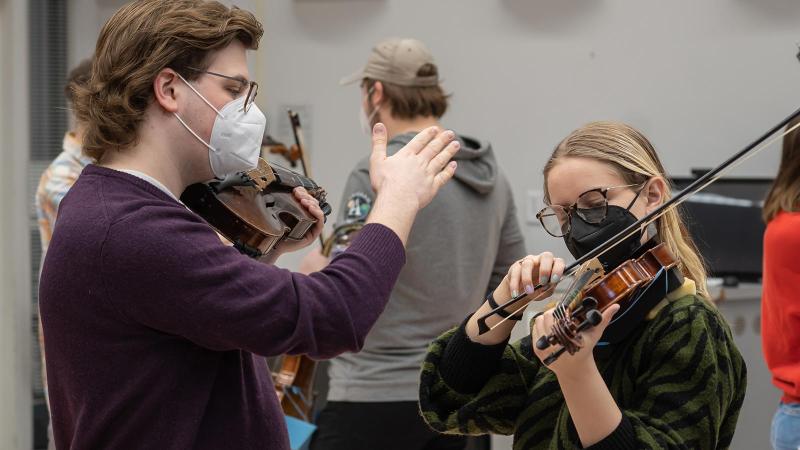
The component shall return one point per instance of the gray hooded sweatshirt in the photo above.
(460, 248)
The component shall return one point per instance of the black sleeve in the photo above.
(466, 365)
(622, 438)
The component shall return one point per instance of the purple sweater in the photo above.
(155, 331)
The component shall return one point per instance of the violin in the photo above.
(593, 290)
(256, 209)
(581, 309)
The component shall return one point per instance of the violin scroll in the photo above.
(593, 318)
(588, 307)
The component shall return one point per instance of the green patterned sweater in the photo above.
(678, 379)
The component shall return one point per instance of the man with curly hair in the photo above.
(155, 331)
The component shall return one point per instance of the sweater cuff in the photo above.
(622, 438)
(381, 245)
(466, 366)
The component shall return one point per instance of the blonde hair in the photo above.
(635, 160)
(139, 41)
(784, 195)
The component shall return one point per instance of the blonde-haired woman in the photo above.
(665, 374)
(780, 304)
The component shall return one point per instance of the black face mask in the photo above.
(584, 237)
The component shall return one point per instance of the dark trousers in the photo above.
(378, 426)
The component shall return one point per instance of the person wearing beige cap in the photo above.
(461, 246)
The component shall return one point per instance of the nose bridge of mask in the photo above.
(585, 231)
(235, 110)
(200, 95)
(584, 236)
(239, 131)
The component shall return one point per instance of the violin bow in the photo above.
(754, 148)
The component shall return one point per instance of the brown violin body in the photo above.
(256, 209)
(620, 283)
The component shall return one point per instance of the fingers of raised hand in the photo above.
(435, 146)
(379, 140)
(542, 326)
(445, 175)
(608, 314)
(420, 141)
(441, 159)
(315, 210)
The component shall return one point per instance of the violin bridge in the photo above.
(585, 275)
(595, 266)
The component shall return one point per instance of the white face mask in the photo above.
(366, 121)
(235, 138)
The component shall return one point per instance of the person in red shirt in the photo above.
(780, 304)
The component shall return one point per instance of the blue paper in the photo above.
(299, 432)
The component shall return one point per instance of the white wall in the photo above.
(701, 79)
(15, 309)
(85, 18)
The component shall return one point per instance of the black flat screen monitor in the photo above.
(725, 222)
